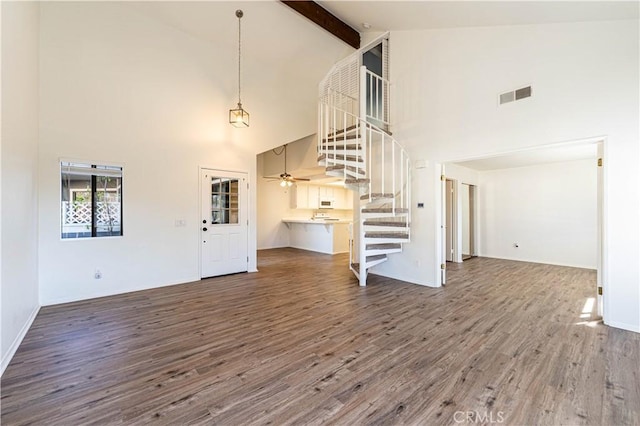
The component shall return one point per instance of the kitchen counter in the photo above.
(321, 235)
(316, 221)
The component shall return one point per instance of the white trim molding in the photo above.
(16, 343)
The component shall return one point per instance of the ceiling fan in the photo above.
(285, 178)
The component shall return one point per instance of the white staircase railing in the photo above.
(354, 144)
(376, 102)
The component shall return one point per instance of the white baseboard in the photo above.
(624, 326)
(48, 301)
(6, 359)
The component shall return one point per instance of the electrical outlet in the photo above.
(98, 274)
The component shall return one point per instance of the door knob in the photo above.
(204, 229)
(204, 221)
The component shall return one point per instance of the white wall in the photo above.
(585, 84)
(273, 205)
(548, 210)
(120, 87)
(19, 151)
(301, 154)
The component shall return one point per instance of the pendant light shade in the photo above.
(238, 117)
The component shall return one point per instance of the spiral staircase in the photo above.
(355, 145)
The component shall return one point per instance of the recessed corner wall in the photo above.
(273, 203)
(19, 172)
(549, 211)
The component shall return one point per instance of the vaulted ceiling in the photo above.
(274, 33)
(279, 45)
(419, 15)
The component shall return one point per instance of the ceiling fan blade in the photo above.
(301, 179)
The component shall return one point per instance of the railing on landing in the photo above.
(374, 98)
(362, 148)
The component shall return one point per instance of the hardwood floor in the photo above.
(300, 343)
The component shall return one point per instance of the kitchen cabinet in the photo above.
(300, 197)
(314, 195)
(343, 198)
(326, 192)
(305, 196)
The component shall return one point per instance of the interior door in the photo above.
(443, 228)
(600, 243)
(465, 223)
(472, 219)
(449, 222)
(224, 234)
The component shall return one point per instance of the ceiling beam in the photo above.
(321, 16)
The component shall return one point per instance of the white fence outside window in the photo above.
(76, 216)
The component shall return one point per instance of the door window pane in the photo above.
(224, 200)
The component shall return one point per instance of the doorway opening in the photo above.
(541, 205)
(468, 220)
(376, 105)
(449, 225)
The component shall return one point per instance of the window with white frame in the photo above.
(90, 200)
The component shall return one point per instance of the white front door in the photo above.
(223, 223)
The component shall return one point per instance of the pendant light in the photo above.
(239, 117)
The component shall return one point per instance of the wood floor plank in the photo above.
(301, 343)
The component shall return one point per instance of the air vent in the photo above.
(515, 95)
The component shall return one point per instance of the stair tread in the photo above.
(348, 146)
(342, 167)
(377, 195)
(376, 257)
(385, 210)
(372, 258)
(383, 234)
(383, 246)
(341, 131)
(341, 157)
(341, 137)
(356, 181)
(385, 223)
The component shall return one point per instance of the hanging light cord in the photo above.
(283, 149)
(239, 14)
